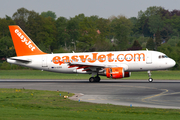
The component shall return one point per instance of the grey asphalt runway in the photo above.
(141, 93)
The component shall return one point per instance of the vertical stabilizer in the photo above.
(22, 43)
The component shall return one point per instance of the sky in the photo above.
(71, 8)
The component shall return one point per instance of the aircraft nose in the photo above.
(172, 63)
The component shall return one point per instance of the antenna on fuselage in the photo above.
(146, 49)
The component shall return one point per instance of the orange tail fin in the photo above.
(22, 43)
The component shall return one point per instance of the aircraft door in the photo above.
(44, 61)
(148, 58)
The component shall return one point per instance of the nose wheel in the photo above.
(150, 79)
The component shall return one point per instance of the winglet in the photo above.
(22, 43)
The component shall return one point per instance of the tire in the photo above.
(97, 79)
(92, 79)
(150, 80)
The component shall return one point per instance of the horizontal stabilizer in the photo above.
(19, 59)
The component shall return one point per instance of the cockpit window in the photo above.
(162, 56)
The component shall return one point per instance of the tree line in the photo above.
(155, 29)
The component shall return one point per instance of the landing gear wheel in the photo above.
(97, 79)
(92, 79)
(150, 79)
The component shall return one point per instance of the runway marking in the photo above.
(146, 98)
(160, 94)
(150, 97)
(172, 93)
(135, 86)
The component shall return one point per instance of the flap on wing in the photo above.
(86, 66)
(92, 66)
(77, 64)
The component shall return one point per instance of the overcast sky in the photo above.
(70, 8)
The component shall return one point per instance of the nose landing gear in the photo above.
(150, 79)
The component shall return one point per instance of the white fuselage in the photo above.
(129, 60)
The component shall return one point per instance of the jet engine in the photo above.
(116, 72)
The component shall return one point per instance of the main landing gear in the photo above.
(150, 79)
(94, 79)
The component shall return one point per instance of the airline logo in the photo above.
(56, 60)
(110, 57)
(23, 39)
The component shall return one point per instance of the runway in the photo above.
(140, 93)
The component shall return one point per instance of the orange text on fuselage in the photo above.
(110, 57)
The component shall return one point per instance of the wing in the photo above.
(86, 66)
(94, 67)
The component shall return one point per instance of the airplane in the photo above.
(112, 64)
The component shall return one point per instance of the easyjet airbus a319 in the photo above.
(113, 64)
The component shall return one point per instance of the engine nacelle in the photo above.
(116, 72)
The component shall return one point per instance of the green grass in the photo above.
(23, 104)
(37, 74)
